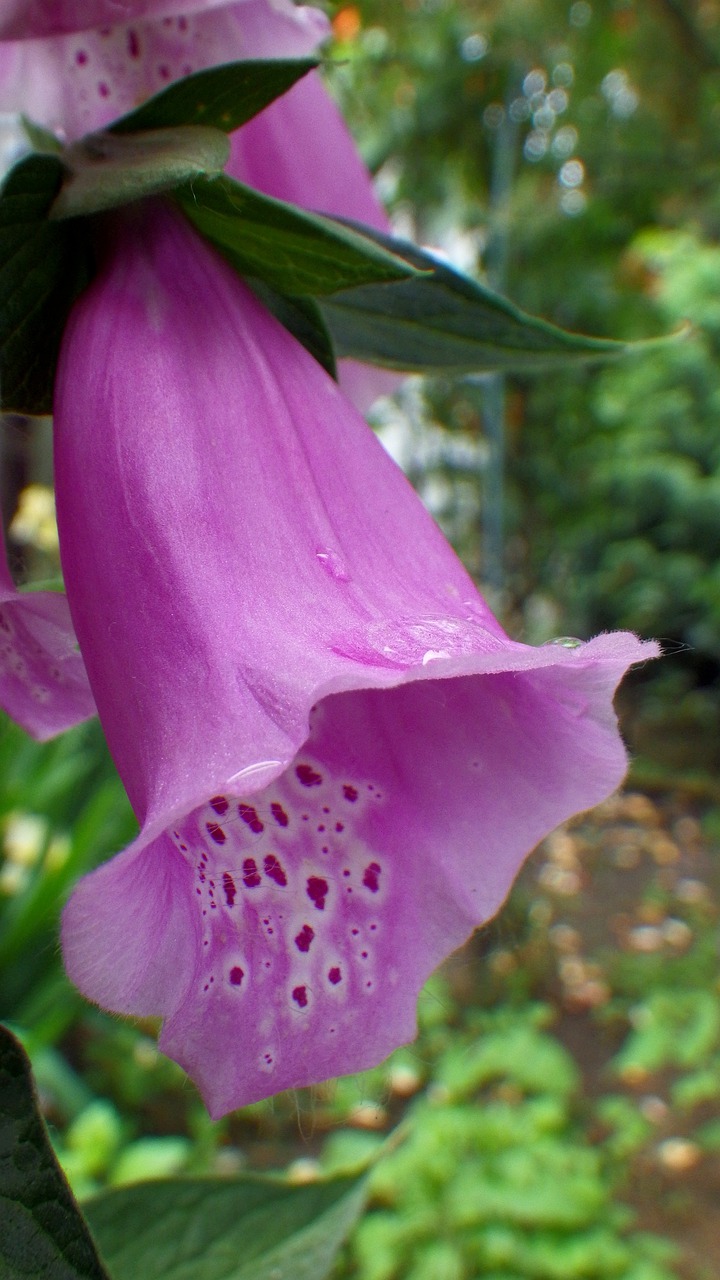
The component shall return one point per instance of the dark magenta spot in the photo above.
(215, 832)
(370, 878)
(339, 826)
(81, 57)
(299, 995)
(304, 938)
(279, 815)
(321, 828)
(317, 890)
(350, 793)
(307, 776)
(334, 976)
(229, 887)
(236, 975)
(103, 89)
(219, 804)
(274, 869)
(182, 24)
(251, 875)
(346, 872)
(363, 955)
(164, 72)
(325, 809)
(133, 44)
(249, 815)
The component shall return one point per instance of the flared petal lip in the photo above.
(621, 649)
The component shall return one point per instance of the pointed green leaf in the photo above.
(244, 1228)
(293, 251)
(444, 322)
(42, 1232)
(303, 319)
(43, 267)
(108, 170)
(224, 97)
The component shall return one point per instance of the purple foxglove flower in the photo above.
(338, 758)
(82, 75)
(43, 685)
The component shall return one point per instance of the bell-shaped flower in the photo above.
(338, 758)
(43, 685)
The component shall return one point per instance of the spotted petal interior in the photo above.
(293, 902)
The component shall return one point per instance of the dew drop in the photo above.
(332, 564)
(564, 642)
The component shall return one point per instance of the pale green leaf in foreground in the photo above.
(243, 1228)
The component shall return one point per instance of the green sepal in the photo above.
(44, 265)
(241, 1228)
(109, 170)
(293, 251)
(223, 97)
(443, 322)
(42, 1233)
(40, 138)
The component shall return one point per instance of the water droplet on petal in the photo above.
(433, 654)
(565, 642)
(332, 564)
(259, 774)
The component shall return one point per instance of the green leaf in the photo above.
(40, 138)
(108, 170)
(43, 267)
(244, 1228)
(302, 318)
(224, 97)
(43, 1233)
(444, 322)
(293, 251)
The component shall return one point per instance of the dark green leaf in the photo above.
(293, 251)
(42, 1232)
(444, 322)
(303, 319)
(43, 267)
(224, 97)
(245, 1228)
(107, 170)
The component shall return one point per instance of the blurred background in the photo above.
(564, 1094)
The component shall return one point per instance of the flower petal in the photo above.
(43, 685)
(138, 908)
(307, 699)
(21, 19)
